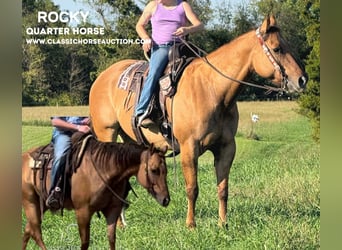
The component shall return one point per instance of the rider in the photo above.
(64, 127)
(168, 19)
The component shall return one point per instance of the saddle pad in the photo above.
(33, 165)
(125, 77)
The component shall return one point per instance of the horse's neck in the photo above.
(234, 56)
(134, 161)
(122, 172)
(129, 172)
(234, 61)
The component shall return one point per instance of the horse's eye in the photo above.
(278, 49)
(155, 171)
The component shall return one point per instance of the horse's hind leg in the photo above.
(26, 236)
(33, 225)
(104, 122)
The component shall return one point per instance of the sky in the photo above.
(72, 5)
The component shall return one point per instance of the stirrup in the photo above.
(53, 200)
(143, 120)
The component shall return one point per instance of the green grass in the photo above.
(274, 200)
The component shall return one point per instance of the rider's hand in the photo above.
(83, 128)
(182, 31)
(147, 45)
(86, 121)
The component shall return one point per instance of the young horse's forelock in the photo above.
(149, 152)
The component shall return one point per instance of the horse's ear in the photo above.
(267, 24)
(152, 148)
(164, 149)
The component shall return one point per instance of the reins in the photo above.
(148, 180)
(80, 155)
(173, 146)
(107, 185)
(113, 192)
(205, 59)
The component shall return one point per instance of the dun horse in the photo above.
(100, 183)
(203, 111)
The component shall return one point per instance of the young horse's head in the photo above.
(272, 59)
(152, 174)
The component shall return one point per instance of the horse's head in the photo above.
(152, 174)
(273, 59)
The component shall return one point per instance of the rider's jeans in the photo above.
(158, 62)
(62, 144)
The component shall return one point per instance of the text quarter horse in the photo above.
(100, 183)
(205, 114)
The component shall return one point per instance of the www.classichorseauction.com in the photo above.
(71, 17)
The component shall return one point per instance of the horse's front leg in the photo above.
(224, 156)
(189, 161)
(112, 214)
(83, 216)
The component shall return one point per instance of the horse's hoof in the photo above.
(121, 226)
(191, 225)
(223, 224)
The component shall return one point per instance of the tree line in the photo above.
(62, 74)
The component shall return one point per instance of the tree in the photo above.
(119, 18)
(310, 101)
(40, 61)
(54, 73)
(243, 20)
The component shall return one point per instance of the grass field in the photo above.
(274, 200)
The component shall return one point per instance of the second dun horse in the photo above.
(203, 111)
(100, 183)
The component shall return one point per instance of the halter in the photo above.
(272, 59)
(148, 180)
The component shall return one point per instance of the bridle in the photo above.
(277, 66)
(149, 183)
(270, 56)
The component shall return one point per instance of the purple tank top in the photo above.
(165, 22)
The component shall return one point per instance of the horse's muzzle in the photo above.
(298, 85)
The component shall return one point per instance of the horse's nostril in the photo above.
(302, 81)
(166, 202)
